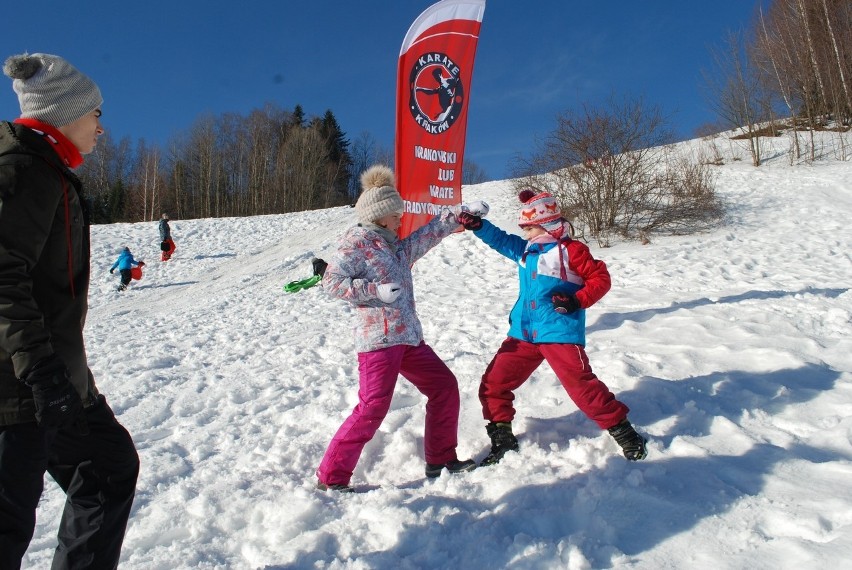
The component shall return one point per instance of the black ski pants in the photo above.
(98, 473)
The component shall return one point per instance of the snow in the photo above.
(731, 347)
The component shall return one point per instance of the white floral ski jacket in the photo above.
(365, 259)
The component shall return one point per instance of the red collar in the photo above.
(66, 150)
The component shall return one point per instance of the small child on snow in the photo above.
(372, 270)
(559, 279)
(125, 263)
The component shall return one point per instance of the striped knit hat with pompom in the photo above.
(50, 89)
(541, 210)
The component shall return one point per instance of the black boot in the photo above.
(502, 440)
(455, 466)
(340, 488)
(319, 266)
(631, 442)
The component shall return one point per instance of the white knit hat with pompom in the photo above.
(379, 196)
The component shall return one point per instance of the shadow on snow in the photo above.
(604, 512)
(609, 321)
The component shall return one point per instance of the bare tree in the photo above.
(769, 51)
(806, 48)
(302, 169)
(145, 184)
(840, 56)
(738, 94)
(472, 173)
(364, 152)
(104, 174)
(811, 49)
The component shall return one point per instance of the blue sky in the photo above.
(162, 64)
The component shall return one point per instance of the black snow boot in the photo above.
(455, 466)
(631, 442)
(502, 440)
(340, 488)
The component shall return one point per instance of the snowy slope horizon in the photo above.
(731, 347)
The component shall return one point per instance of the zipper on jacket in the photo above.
(386, 325)
(64, 184)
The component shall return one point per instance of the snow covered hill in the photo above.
(732, 349)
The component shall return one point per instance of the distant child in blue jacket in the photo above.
(125, 263)
(559, 279)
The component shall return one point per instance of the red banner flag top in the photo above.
(433, 92)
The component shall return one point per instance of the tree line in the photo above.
(271, 161)
(792, 70)
(614, 170)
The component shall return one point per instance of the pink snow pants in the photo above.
(516, 360)
(378, 371)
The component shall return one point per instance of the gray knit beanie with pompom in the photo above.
(379, 196)
(50, 89)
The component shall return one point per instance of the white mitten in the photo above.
(476, 208)
(388, 292)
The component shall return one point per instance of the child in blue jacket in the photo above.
(559, 279)
(125, 263)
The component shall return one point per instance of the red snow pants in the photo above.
(378, 371)
(516, 360)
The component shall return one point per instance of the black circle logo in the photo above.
(436, 93)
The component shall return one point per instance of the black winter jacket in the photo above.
(44, 269)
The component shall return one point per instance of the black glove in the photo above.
(319, 266)
(565, 303)
(469, 221)
(57, 403)
(112, 270)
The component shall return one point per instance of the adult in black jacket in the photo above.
(52, 418)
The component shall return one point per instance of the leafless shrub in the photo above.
(615, 175)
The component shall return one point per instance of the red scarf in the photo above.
(66, 150)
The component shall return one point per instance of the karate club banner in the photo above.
(433, 93)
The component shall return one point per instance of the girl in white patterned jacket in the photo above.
(372, 270)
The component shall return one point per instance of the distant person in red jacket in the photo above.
(167, 246)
